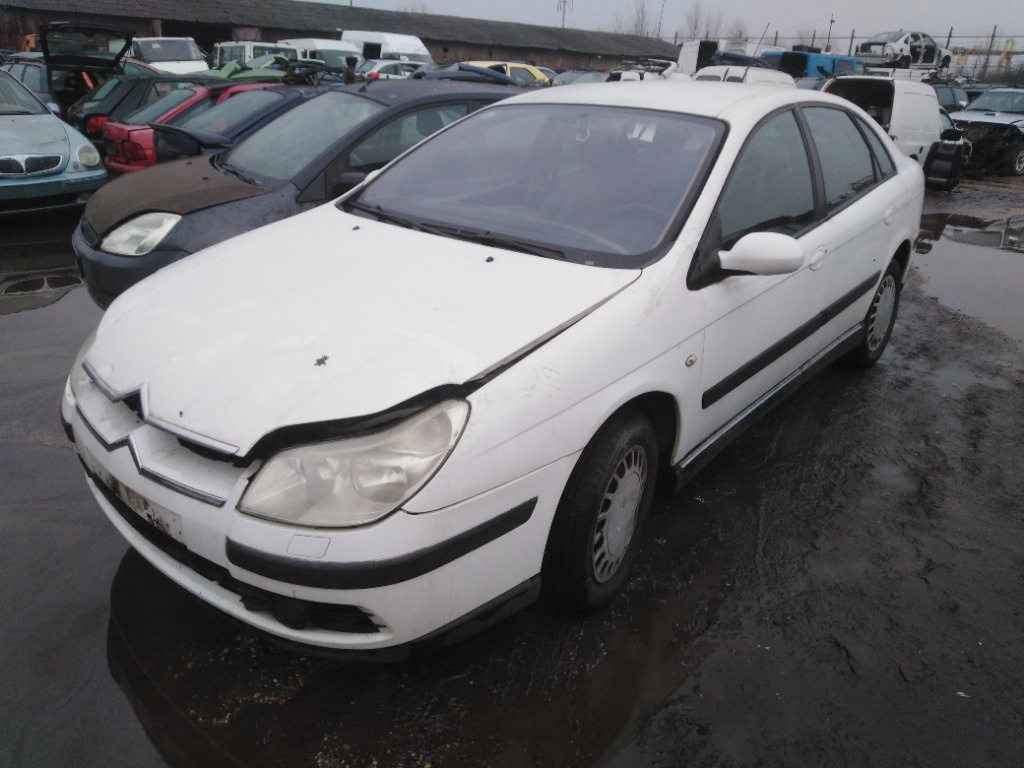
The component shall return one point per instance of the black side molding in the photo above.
(378, 573)
(786, 343)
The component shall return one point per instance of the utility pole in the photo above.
(562, 5)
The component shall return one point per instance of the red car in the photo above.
(128, 144)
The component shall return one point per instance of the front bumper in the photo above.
(408, 579)
(49, 193)
(108, 275)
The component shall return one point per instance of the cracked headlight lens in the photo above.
(356, 481)
(140, 235)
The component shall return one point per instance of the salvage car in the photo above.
(45, 164)
(128, 143)
(74, 59)
(143, 221)
(994, 124)
(391, 420)
(904, 50)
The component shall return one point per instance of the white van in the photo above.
(908, 110)
(731, 73)
(247, 50)
(179, 55)
(331, 52)
(388, 45)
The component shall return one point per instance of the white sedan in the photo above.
(397, 418)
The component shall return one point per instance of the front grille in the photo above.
(294, 613)
(26, 165)
(40, 163)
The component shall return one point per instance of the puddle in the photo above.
(975, 267)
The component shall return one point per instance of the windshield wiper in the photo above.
(381, 215)
(498, 241)
(235, 171)
(19, 112)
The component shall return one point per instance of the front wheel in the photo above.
(1014, 162)
(880, 319)
(597, 528)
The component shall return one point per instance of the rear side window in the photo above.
(846, 160)
(886, 166)
(770, 188)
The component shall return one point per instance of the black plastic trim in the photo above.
(377, 573)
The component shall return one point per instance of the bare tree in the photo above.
(639, 19)
(702, 23)
(738, 29)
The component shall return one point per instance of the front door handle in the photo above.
(818, 257)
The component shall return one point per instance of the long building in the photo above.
(449, 38)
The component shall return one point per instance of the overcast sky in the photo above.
(788, 18)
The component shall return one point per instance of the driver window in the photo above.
(770, 188)
(392, 139)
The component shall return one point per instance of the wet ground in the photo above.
(844, 586)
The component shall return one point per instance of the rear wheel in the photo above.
(1014, 161)
(597, 528)
(880, 319)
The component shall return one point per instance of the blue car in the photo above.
(45, 164)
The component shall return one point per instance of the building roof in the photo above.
(325, 19)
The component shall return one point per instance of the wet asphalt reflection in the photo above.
(833, 532)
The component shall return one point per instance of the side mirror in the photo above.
(346, 181)
(54, 107)
(951, 134)
(763, 253)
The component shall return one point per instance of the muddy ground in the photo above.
(844, 586)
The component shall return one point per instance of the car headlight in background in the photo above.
(140, 235)
(359, 480)
(88, 156)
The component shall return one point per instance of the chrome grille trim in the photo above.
(28, 165)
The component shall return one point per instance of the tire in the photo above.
(880, 319)
(599, 522)
(1013, 163)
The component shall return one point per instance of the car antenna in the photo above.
(756, 49)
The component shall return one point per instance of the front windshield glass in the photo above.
(595, 184)
(170, 49)
(998, 101)
(286, 145)
(15, 99)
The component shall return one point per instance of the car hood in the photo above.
(179, 187)
(328, 316)
(979, 117)
(33, 135)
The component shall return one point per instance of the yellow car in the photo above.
(524, 74)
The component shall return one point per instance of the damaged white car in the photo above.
(394, 419)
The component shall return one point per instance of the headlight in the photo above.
(140, 235)
(356, 481)
(88, 156)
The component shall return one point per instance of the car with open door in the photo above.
(392, 420)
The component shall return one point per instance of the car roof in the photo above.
(393, 91)
(712, 98)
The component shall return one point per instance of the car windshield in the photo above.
(15, 99)
(594, 184)
(998, 101)
(161, 106)
(286, 145)
(170, 49)
(234, 111)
